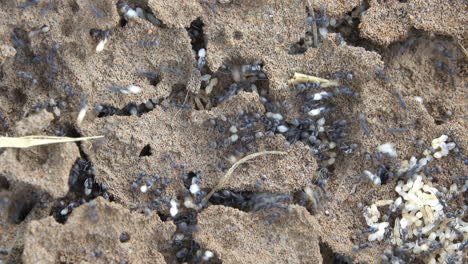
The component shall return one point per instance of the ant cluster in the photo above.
(52, 107)
(253, 202)
(83, 188)
(101, 36)
(241, 135)
(130, 109)
(321, 24)
(130, 11)
(153, 184)
(244, 77)
(326, 139)
(195, 32)
(186, 249)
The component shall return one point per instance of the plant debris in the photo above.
(362, 102)
(31, 141)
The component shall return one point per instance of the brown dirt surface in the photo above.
(388, 21)
(403, 63)
(88, 234)
(45, 168)
(243, 237)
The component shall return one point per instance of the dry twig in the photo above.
(237, 164)
(314, 24)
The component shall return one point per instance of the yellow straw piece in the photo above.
(31, 141)
(304, 78)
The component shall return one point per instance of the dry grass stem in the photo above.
(234, 167)
(31, 141)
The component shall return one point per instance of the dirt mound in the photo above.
(183, 90)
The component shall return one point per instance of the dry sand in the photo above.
(411, 48)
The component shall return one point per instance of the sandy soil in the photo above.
(112, 200)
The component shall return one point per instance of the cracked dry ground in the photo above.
(136, 196)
